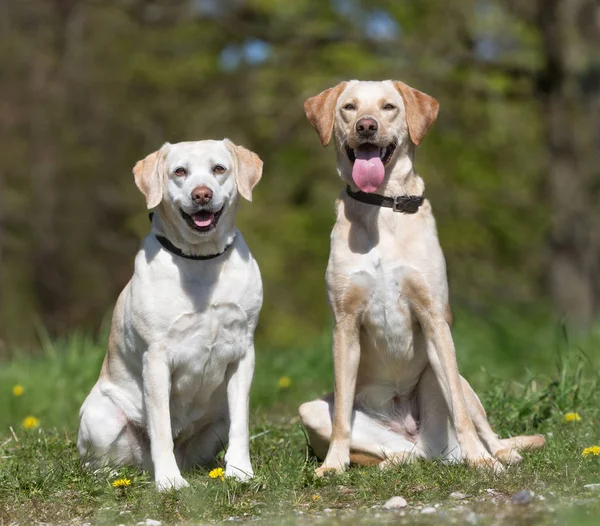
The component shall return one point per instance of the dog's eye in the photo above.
(349, 107)
(180, 171)
(219, 169)
(389, 106)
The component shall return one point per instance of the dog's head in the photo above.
(374, 124)
(197, 184)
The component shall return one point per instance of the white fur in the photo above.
(175, 384)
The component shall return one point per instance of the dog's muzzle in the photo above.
(203, 221)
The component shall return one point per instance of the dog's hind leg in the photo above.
(106, 437)
(484, 430)
(524, 442)
(505, 450)
(371, 441)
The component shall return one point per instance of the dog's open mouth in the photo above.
(385, 154)
(202, 221)
(368, 164)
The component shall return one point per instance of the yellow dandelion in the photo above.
(18, 390)
(217, 473)
(572, 417)
(589, 451)
(315, 498)
(285, 382)
(121, 483)
(30, 422)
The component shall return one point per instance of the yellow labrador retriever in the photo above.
(398, 394)
(175, 383)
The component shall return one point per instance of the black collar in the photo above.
(406, 204)
(167, 245)
(174, 250)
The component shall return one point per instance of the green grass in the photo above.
(527, 373)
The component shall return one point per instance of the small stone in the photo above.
(327, 510)
(395, 503)
(522, 497)
(152, 522)
(492, 492)
(428, 510)
(457, 495)
(592, 487)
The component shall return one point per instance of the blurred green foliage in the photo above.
(87, 88)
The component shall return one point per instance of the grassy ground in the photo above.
(526, 372)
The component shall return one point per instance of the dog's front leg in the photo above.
(346, 358)
(239, 379)
(156, 377)
(442, 357)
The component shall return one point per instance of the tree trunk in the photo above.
(574, 247)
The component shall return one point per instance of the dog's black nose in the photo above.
(366, 126)
(202, 195)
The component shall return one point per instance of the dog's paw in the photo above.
(240, 472)
(169, 482)
(508, 456)
(336, 461)
(330, 469)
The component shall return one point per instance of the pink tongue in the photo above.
(203, 219)
(368, 171)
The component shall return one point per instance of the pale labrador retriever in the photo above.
(398, 394)
(175, 383)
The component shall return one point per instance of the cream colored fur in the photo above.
(175, 383)
(398, 393)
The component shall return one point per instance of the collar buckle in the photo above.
(398, 205)
(407, 204)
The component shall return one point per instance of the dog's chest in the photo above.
(204, 342)
(387, 322)
(204, 315)
(203, 347)
(209, 333)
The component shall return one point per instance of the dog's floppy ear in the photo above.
(248, 169)
(149, 177)
(320, 111)
(421, 110)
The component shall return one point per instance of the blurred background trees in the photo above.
(87, 88)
